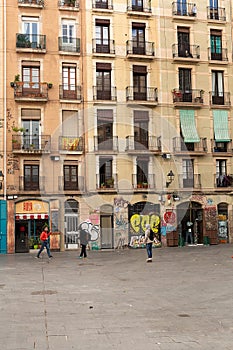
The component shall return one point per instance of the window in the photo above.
(103, 81)
(142, 170)
(216, 44)
(138, 38)
(102, 36)
(31, 177)
(69, 82)
(31, 80)
(71, 222)
(105, 129)
(181, 8)
(70, 123)
(217, 88)
(214, 9)
(105, 171)
(68, 33)
(183, 42)
(140, 83)
(70, 177)
(30, 27)
(101, 4)
(141, 120)
(137, 5)
(222, 178)
(188, 175)
(185, 84)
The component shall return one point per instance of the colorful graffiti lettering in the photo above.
(90, 228)
(138, 222)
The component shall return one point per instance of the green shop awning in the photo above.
(221, 132)
(188, 127)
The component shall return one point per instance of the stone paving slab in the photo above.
(115, 300)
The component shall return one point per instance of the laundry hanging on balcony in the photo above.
(221, 131)
(188, 127)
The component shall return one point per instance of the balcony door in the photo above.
(105, 170)
(31, 30)
(70, 177)
(103, 81)
(217, 88)
(138, 38)
(31, 138)
(69, 82)
(216, 45)
(102, 36)
(185, 84)
(31, 80)
(137, 5)
(31, 177)
(183, 42)
(181, 8)
(142, 170)
(101, 4)
(68, 35)
(214, 9)
(140, 83)
(188, 173)
(141, 120)
(105, 129)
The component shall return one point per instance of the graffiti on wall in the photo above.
(90, 228)
(120, 221)
(138, 226)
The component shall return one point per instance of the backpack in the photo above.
(151, 235)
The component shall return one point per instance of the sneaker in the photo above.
(80, 257)
(149, 260)
(37, 257)
(50, 256)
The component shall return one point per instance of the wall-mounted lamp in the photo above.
(1, 179)
(170, 178)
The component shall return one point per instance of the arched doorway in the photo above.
(106, 227)
(190, 216)
(71, 224)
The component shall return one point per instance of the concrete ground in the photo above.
(115, 300)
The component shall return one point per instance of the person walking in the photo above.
(84, 239)
(149, 237)
(44, 237)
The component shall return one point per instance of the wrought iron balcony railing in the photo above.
(69, 4)
(30, 41)
(193, 96)
(103, 46)
(190, 181)
(186, 51)
(31, 143)
(218, 14)
(179, 146)
(35, 183)
(223, 181)
(102, 4)
(31, 90)
(77, 185)
(148, 143)
(67, 143)
(104, 182)
(139, 6)
(143, 182)
(221, 147)
(102, 93)
(31, 2)
(143, 48)
(217, 55)
(184, 9)
(70, 92)
(107, 144)
(68, 44)
(220, 98)
(143, 94)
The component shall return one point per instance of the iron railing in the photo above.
(221, 147)
(143, 181)
(69, 3)
(31, 90)
(186, 51)
(71, 144)
(70, 92)
(143, 48)
(103, 46)
(30, 41)
(194, 96)
(143, 6)
(223, 181)
(103, 181)
(35, 183)
(220, 98)
(101, 93)
(68, 44)
(31, 2)
(190, 181)
(183, 9)
(222, 55)
(143, 94)
(105, 144)
(77, 185)
(150, 143)
(190, 147)
(31, 142)
(102, 4)
(218, 14)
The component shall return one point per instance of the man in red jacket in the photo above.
(45, 244)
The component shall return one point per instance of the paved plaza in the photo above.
(115, 300)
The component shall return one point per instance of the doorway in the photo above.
(27, 234)
(190, 216)
(106, 227)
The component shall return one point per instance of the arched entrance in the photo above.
(190, 217)
(71, 224)
(106, 227)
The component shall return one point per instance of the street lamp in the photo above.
(1, 179)
(170, 178)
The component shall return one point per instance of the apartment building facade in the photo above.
(117, 114)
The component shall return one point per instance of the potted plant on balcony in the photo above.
(16, 142)
(145, 185)
(110, 182)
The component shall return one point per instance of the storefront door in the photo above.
(106, 225)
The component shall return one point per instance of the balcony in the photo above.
(142, 7)
(184, 9)
(35, 184)
(134, 49)
(29, 91)
(68, 4)
(70, 92)
(189, 181)
(69, 45)
(143, 183)
(104, 95)
(105, 145)
(216, 14)
(77, 185)
(31, 143)
(71, 144)
(151, 144)
(106, 183)
(221, 99)
(189, 148)
(103, 47)
(191, 98)
(221, 182)
(222, 55)
(31, 3)
(136, 94)
(102, 5)
(186, 53)
(31, 42)
(221, 148)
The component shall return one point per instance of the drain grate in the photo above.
(44, 292)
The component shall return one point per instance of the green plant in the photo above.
(16, 129)
(17, 78)
(110, 182)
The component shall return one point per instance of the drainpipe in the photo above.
(4, 98)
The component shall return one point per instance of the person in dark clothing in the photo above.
(84, 239)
